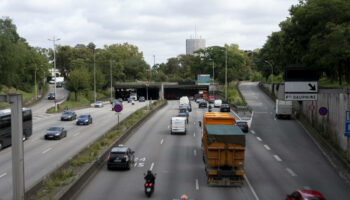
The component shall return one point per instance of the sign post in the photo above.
(118, 108)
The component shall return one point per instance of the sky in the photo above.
(157, 27)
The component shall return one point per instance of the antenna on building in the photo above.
(195, 31)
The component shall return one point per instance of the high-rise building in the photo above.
(193, 45)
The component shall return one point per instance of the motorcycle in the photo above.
(149, 187)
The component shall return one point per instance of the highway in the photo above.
(42, 156)
(280, 158)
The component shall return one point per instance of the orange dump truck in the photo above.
(223, 149)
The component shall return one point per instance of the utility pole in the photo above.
(36, 88)
(17, 144)
(271, 70)
(226, 74)
(110, 68)
(94, 77)
(54, 63)
(213, 80)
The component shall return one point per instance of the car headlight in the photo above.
(57, 134)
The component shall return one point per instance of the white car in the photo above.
(217, 103)
(99, 104)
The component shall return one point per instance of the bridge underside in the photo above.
(170, 92)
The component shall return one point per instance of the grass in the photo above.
(65, 176)
(82, 101)
(326, 82)
(233, 95)
(26, 96)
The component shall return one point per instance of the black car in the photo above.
(120, 157)
(142, 99)
(225, 108)
(68, 116)
(51, 96)
(203, 104)
(84, 119)
(55, 133)
(243, 125)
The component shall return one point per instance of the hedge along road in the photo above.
(42, 156)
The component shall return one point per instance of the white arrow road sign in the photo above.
(308, 86)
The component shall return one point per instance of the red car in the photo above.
(306, 195)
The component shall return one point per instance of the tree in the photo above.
(78, 81)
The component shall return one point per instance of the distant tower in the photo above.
(195, 44)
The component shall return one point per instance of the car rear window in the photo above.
(241, 123)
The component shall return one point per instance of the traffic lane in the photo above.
(255, 98)
(297, 151)
(50, 154)
(128, 184)
(41, 107)
(179, 169)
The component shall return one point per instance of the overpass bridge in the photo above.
(157, 90)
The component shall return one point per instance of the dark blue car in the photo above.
(84, 119)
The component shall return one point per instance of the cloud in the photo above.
(157, 27)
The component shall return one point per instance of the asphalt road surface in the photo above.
(280, 158)
(40, 108)
(42, 156)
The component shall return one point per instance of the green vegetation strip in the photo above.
(68, 174)
(234, 97)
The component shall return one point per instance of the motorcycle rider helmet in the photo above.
(184, 197)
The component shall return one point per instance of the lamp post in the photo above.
(36, 88)
(213, 80)
(226, 74)
(54, 63)
(94, 77)
(271, 69)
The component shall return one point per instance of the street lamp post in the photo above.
(54, 63)
(271, 69)
(226, 74)
(213, 80)
(94, 77)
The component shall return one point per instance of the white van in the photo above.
(184, 101)
(217, 103)
(178, 125)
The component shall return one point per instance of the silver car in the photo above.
(98, 104)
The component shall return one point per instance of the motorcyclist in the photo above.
(150, 177)
(184, 197)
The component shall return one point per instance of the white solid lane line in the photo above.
(152, 165)
(267, 147)
(3, 174)
(259, 139)
(277, 158)
(161, 142)
(251, 187)
(76, 134)
(197, 184)
(47, 150)
(291, 172)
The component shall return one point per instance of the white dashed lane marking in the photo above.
(161, 142)
(267, 147)
(3, 174)
(47, 150)
(291, 172)
(277, 158)
(259, 139)
(197, 184)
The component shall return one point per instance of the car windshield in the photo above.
(83, 116)
(67, 113)
(241, 123)
(99, 102)
(54, 129)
